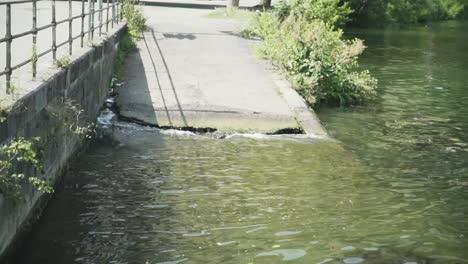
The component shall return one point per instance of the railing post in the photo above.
(107, 17)
(34, 39)
(118, 14)
(54, 33)
(82, 22)
(93, 12)
(8, 48)
(70, 28)
(100, 17)
(91, 19)
(113, 13)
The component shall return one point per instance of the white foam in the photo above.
(106, 118)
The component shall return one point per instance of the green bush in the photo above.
(404, 12)
(321, 65)
(332, 12)
(134, 18)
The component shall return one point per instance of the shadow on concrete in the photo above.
(140, 107)
(135, 86)
(167, 70)
(193, 35)
(181, 36)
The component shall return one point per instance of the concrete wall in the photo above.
(47, 112)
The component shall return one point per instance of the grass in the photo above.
(231, 13)
(125, 46)
(136, 23)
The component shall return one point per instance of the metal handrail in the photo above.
(112, 5)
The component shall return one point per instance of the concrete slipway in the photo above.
(191, 71)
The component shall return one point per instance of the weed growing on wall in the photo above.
(136, 24)
(15, 155)
(63, 62)
(134, 18)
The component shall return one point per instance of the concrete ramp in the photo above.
(193, 71)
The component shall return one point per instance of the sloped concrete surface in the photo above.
(194, 71)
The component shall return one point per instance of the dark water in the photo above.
(395, 190)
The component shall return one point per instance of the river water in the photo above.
(394, 189)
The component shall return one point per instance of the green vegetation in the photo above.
(302, 39)
(126, 44)
(12, 88)
(404, 12)
(375, 13)
(231, 12)
(333, 12)
(136, 24)
(14, 157)
(134, 18)
(63, 62)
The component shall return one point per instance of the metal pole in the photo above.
(100, 17)
(54, 33)
(8, 48)
(34, 39)
(113, 13)
(107, 17)
(118, 15)
(91, 16)
(70, 26)
(89, 19)
(82, 22)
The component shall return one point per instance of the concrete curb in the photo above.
(305, 116)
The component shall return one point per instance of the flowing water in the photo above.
(393, 190)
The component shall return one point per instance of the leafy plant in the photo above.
(13, 157)
(333, 12)
(134, 18)
(12, 88)
(136, 23)
(404, 12)
(63, 62)
(322, 65)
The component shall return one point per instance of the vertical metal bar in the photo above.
(107, 16)
(70, 28)
(8, 48)
(92, 19)
(89, 19)
(54, 33)
(82, 22)
(100, 17)
(118, 14)
(34, 39)
(113, 13)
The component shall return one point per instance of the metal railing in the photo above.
(112, 6)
